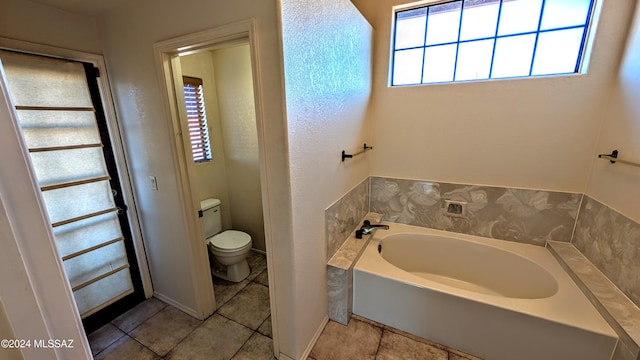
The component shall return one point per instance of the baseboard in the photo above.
(315, 337)
(168, 300)
(259, 251)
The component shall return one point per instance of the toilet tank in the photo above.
(211, 219)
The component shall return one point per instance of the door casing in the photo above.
(169, 72)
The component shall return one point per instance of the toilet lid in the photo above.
(231, 239)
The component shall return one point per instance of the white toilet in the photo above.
(229, 248)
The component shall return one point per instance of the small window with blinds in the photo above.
(197, 119)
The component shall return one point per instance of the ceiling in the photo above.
(83, 7)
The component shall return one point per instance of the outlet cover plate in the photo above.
(455, 208)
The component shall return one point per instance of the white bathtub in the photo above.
(490, 298)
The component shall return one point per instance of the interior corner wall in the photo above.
(327, 47)
(211, 176)
(617, 185)
(29, 21)
(234, 83)
(532, 133)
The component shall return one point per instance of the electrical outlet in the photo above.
(455, 208)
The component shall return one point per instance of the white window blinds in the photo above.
(197, 119)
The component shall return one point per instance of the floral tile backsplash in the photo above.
(525, 216)
(611, 242)
(344, 216)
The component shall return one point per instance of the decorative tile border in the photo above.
(611, 242)
(344, 216)
(525, 216)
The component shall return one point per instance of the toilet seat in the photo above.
(230, 240)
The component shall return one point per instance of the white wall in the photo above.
(238, 124)
(29, 21)
(327, 57)
(128, 34)
(530, 133)
(618, 186)
(211, 175)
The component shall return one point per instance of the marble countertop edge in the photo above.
(610, 297)
(351, 249)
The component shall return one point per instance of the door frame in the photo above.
(167, 62)
(115, 136)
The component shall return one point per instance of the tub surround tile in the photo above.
(525, 216)
(358, 340)
(344, 216)
(621, 314)
(348, 253)
(611, 242)
(339, 304)
(340, 275)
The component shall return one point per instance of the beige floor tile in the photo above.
(250, 307)
(103, 337)
(137, 315)
(257, 263)
(397, 347)
(263, 278)
(258, 347)
(126, 349)
(358, 340)
(225, 290)
(165, 330)
(265, 329)
(217, 339)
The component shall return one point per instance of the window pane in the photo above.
(58, 128)
(518, 16)
(479, 19)
(474, 60)
(54, 167)
(439, 62)
(513, 56)
(557, 52)
(563, 13)
(410, 28)
(443, 23)
(407, 68)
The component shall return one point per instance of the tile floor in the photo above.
(366, 339)
(240, 328)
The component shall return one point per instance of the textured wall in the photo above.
(327, 67)
(617, 185)
(234, 83)
(526, 216)
(611, 241)
(537, 133)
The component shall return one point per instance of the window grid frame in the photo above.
(585, 26)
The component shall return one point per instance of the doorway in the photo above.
(239, 37)
(62, 119)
